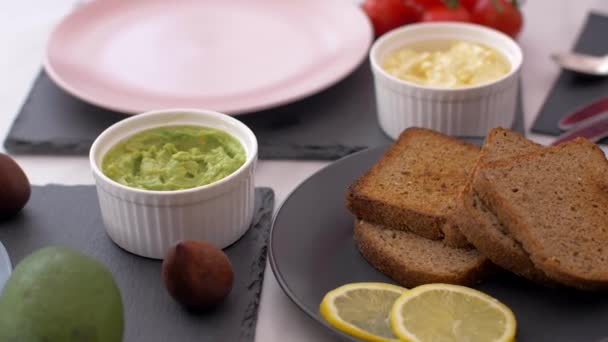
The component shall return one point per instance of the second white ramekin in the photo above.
(470, 111)
(148, 222)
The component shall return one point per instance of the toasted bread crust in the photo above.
(381, 212)
(480, 226)
(424, 210)
(555, 248)
(431, 262)
(491, 238)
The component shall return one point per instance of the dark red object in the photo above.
(445, 13)
(468, 4)
(502, 15)
(197, 274)
(386, 15)
(15, 188)
(597, 107)
(425, 4)
(594, 129)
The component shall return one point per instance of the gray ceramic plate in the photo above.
(312, 252)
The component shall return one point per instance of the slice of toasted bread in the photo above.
(555, 203)
(412, 260)
(481, 227)
(414, 186)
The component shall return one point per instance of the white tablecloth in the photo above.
(550, 25)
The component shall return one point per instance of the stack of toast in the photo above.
(437, 209)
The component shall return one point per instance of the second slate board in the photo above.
(66, 215)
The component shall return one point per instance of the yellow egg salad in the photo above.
(462, 64)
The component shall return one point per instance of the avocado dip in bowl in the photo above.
(172, 175)
(173, 158)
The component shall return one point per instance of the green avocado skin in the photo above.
(58, 294)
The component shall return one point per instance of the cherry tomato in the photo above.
(502, 15)
(424, 4)
(468, 4)
(445, 13)
(386, 15)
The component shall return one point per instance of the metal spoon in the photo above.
(586, 64)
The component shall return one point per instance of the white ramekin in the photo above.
(148, 222)
(470, 111)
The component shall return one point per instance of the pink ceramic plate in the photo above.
(233, 56)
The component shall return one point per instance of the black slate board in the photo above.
(571, 90)
(312, 251)
(326, 126)
(69, 215)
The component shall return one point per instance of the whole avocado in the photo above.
(58, 294)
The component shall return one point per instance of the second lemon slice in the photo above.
(362, 310)
(442, 312)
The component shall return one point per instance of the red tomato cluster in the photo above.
(503, 15)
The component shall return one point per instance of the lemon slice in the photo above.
(441, 312)
(362, 310)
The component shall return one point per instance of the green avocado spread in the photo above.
(173, 158)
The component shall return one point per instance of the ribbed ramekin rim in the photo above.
(378, 70)
(226, 181)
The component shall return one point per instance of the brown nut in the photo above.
(15, 189)
(197, 274)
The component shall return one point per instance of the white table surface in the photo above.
(550, 25)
